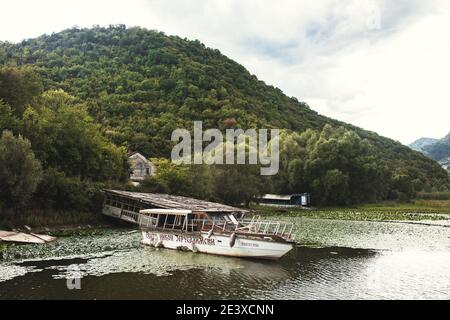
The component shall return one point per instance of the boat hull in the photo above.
(218, 244)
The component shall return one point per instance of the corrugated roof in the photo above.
(167, 201)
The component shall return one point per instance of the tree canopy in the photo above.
(18, 87)
(84, 97)
(65, 137)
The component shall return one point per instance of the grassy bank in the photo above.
(62, 222)
(433, 195)
(51, 220)
(415, 211)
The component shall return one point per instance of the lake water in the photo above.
(335, 260)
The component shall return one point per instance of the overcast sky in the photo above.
(382, 65)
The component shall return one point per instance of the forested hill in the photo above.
(143, 84)
(140, 85)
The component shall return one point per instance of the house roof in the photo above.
(167, 201)
(138, 155)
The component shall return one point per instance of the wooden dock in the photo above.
(20, 237)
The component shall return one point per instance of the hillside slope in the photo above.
(140, 85)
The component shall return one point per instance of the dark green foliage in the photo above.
(74, 154)
(170, 178)
(7, 119)
(18, 87)
(140, 85)
(58, 192)
(232, 184)
(338, 167)
(20, 171)
(64, 137)
(236, 184)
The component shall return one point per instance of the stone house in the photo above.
(141, 167)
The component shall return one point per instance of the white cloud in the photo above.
(378, 64)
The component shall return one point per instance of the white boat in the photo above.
(215, 233)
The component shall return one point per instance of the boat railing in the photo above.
(244, 226)
(249, 226)
(180, 224)
(130, 216)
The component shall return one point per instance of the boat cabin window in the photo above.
(123, 203)
(233, 219)
(171, 221)
(229, 218)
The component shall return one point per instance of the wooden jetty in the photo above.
(126, 205)
(20, 237)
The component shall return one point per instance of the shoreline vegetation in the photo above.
(387, 211)
(56, 223)
(61, 223)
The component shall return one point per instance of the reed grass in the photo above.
(48, 218)
(415, 211)
(433, 195)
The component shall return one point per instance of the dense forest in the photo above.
(74, 103)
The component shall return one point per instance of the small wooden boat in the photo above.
(215, 233)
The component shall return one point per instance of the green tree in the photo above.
(236, 184)
(7, 119)
(335, 165)
(65, 137)
(58, 192)
(335, 187)
(18, 87)
(169, 178)
(20, 171)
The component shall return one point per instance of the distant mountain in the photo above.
(436, 149)
(421, 143)
(446, 138)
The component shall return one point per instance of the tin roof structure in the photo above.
(166, 201)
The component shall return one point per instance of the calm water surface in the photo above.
(335, 260)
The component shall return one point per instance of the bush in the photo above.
(58, 192)
(20, 171)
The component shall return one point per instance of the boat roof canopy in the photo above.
(166, 201)
(174, 212)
